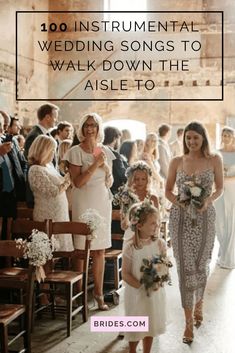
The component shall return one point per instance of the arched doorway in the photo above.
(136, 128)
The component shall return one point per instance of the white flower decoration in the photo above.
(196, 191)
(94, 221)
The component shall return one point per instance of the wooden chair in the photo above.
(22, 228)
(117, 232)
(70, 279)
(24, 212)
(11, 312)
(15, 229)
(114, 257)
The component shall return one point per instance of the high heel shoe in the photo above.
(198, 316)
(188, 333)
(100, 301)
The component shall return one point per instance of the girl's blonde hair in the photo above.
(138, 214)
(138, 166)
(41, 149)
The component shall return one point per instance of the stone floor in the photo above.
(216, 335)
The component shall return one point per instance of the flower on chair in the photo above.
(38, 249)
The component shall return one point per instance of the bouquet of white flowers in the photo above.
(192, 197)
(94, 221)
(38, 249)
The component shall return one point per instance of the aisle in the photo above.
(216, 335)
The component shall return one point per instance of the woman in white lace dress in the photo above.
(48, 187)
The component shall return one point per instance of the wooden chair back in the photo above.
(22, 228)
(10, 312)
(25, 212)
(74, 281)
(73, 228)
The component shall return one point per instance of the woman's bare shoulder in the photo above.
(216, 159)
(176, 161)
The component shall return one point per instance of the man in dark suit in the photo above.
(47, 117)
(12, 183)
(112, 139)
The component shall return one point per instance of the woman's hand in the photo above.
(66, 183)
(206, 203)
(124, 223)
(100, 159)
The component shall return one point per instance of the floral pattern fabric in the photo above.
(192, 245)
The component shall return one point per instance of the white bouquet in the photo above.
(94, 221)
(38, 250)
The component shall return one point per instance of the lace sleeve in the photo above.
(41, 183)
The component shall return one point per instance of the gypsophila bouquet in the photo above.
(94, 221)
(192, 196)
(38, 249)
(125, 198)
(155, 273)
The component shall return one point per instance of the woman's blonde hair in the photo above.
(41, 149)
(63, 148)
(149, 137)
(138, 214)
(99, 122)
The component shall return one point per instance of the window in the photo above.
(125, 5)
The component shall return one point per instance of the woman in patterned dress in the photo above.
(193, 240)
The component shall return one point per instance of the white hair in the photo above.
(98, 120)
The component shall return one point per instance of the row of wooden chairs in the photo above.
(71, 280)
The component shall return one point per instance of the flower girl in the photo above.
(137, 188)
(145, 268)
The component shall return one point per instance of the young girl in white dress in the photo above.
(145, 244)
(139, 181)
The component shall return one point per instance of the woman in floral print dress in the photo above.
(193, 239)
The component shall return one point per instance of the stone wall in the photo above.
(36, 78)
